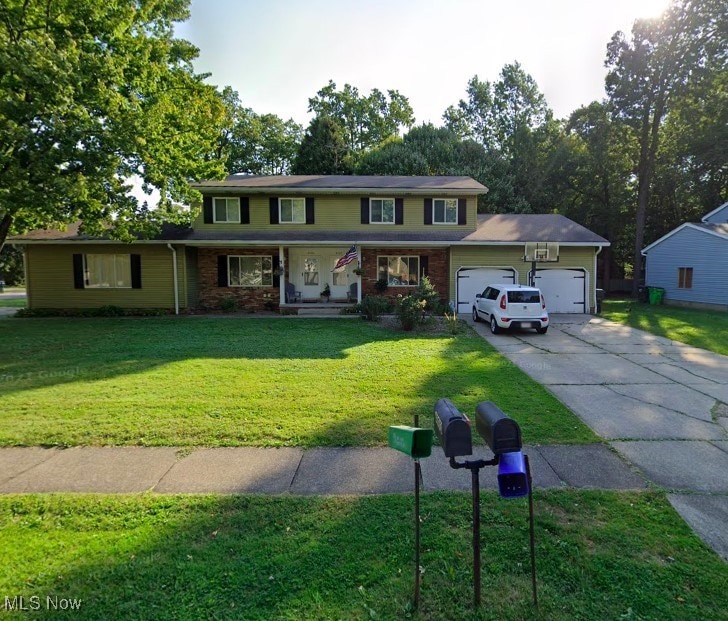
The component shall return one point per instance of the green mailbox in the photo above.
(411, 441)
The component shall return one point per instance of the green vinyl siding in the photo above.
(512, 256)
(344, 213)
(50, 277)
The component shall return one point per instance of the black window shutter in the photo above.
(222, 270)
(136, 271)
(276, 271)
(273, 204)
(365, 210)
(207, 209)
(244, 210)
(425, 266)
(309, 210)
(399, 211)
(462, 211)
(428, 211)
(78, 280)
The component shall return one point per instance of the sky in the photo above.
(278, 53)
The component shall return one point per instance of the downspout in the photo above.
(176, 284)
(596, 254)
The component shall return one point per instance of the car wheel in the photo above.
(542, 330)
(494, 325)
(476, 317)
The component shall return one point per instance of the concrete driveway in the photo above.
(661, 404)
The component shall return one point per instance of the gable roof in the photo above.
(343, 184)
(708, 217)
(532, 227)
(719, 230)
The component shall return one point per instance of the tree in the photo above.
(366, 121)
(649, 71)
(323, 150)
(257, 144)
(92, 94)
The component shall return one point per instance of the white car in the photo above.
(511, 306)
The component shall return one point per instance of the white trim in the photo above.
(704, 219)
(383, 198)
(401, 256)
(685, 225)
(587, 287)
(280, 209)
(251, 256)
(214, 210)
(457, 206)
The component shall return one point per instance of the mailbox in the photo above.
(411, 441)
(512, 477)
(452, 429)
(501, 432)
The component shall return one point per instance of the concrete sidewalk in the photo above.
(321, 471)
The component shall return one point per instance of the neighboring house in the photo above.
(691, 262)
(258, 236)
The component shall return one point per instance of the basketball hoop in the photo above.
(539, 252)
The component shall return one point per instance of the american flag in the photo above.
(346, 259)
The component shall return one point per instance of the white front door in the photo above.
(311, 285)
(312, 271)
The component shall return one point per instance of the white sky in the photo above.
(278, 53)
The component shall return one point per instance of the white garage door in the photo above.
(563, 289)
(472, 280)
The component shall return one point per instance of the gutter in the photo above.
(176, 284)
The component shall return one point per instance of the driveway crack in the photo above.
(659, 405)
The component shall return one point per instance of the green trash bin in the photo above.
(657, 294)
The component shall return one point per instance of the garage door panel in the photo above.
(472, 280)
(563, 289)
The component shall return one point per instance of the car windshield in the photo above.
(524, 296)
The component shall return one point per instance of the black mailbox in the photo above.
(452, 429)
(501, 432)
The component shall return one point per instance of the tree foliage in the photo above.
(257, 144)
(366, 121)
(93, 93)
(322, 150)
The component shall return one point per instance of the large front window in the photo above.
(399, 271)
(226, 210)
(250, 271)
(108, 271)
(445, 211)
(292, 211)
(381, 210)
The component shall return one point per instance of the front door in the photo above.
(311, 274)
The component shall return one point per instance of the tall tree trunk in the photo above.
(5, 223)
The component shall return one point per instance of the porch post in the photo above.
(358, 289)
(282, 278)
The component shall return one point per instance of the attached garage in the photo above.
(564, 289)
(472, 280)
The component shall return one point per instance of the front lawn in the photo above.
(16, 303)
(600, 555)
(250, 381)
(700, 328)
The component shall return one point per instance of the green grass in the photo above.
(248, 381)
(18, 303)
(600, 555)
(700, 328)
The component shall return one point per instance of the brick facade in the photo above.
(212, 296)
(437, 269)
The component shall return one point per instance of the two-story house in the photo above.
(260, 238)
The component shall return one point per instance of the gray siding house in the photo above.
(691, 262)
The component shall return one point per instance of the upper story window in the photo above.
(381, 210)
(292, 210)
(445, 210)
(107, 271)
(226, 210)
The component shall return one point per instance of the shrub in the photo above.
(229, 304)
(410, 311)
(381, 285)
(372, 306)
(109, 311)
(452, 324)
(426, 291)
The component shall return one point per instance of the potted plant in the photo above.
(358, 271)
(326, 293)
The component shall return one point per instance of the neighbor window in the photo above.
(399, 271)
(684, 277)
(226, 210)
(381, 210)
(445, 210)
(292, 211)
(250, 271)
(108, 271)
